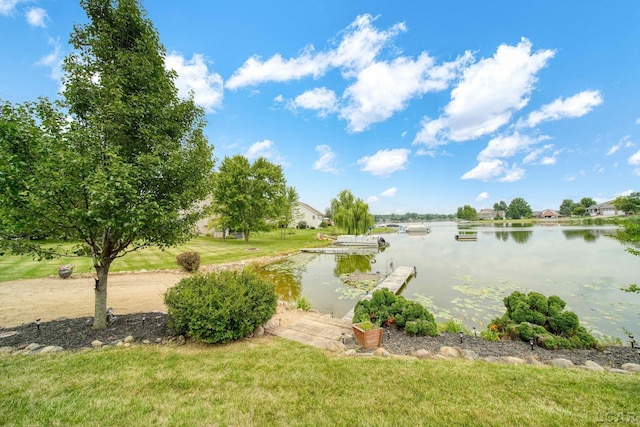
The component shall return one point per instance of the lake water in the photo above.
(468, 280)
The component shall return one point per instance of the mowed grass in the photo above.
(212, 251)
(270, 381)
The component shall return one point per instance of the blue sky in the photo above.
(414, 106)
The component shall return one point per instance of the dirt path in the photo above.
(52, 298)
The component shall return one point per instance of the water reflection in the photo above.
(521, 236)
(589, 235)
(347, 264)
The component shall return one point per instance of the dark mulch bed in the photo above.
(75, 334)
(397, 342)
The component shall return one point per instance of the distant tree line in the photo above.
(413, 217)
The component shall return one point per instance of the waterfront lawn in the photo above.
(212, 251)
(271, 381)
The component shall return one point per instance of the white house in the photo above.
(604, 209)
(308, 214)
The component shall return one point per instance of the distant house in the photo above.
(308, 214)
(604, 209)
(549, 213)
(487, 214)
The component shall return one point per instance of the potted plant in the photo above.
(367, 334)
(65, 271)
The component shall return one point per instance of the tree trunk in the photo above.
(100, 311)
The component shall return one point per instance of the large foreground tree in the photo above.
(251, 197)
(119, 165)
(351, 213)
(518, 209)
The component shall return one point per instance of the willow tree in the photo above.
(351, 214)
(119, 165)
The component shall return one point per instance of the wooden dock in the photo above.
(393, 282)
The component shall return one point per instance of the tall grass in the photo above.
(212, 251)
(270, 381)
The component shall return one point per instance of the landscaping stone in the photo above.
(618, 371)
(96, 343)
(631, 367)
(532, 360)
(33, 347)
(560, 363)
(351, 353)
(422, 354)
(469, 354)
(129, 339)
(450, 352)
(593, 366)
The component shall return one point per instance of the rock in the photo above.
(33, 347)
(259, 332)
(158, 340)
(469, 354)
(51, 349)
(7, 349)
(631, 367)
(96, 343)
(381, 352)
(560, 363)
(533, 360)
(513, 360)
(147, 342)
(351, 353)
(422, 354)
(335, 346)
(593, 366)
(618, 371)
(129, 339)
(119, 344)
(450, 352)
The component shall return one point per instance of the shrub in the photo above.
(220, 307)
(453, 326)
(189, 261)
(386, 307)
(534, 316)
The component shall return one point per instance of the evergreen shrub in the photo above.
(534, 316)
(220, 307)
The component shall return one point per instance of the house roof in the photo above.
(311, 209)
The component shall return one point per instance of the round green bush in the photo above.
(220, 307)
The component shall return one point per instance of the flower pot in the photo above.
(64, 273)
(367, 338)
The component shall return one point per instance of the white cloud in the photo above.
(372, 199)
(425, 152)
(638, 121)
(385, 162)
(384, 88)
(569, 178)
(494, 88)
(36, 17)
(360, 44)
(327, 160)
(482, 196)
(321, 99)
(575, 106)
(54, 61)
(548, 160)
(535, 154)
(486, 170)
(278, 98)
(266, 149)
(506, 146)
(7, 7)
(625, 142)
(194, 76)
(634, 159)
(488, 94)
(512, 175)
(390, 192)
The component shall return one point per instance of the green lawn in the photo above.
(212, 251)
(270, 381)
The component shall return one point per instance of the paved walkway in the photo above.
(319, 330)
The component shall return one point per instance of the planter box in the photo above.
(368, 339)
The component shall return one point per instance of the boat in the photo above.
(364, 240)
(417, 229)
(467, 236)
